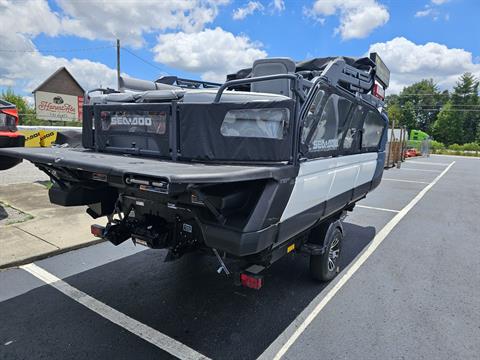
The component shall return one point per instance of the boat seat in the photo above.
(273, 66)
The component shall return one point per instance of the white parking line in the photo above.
(427, 170)
(407, 181)
(143, 331)
(425, 163)
(458, 156)
(376, 208)
(288, 337)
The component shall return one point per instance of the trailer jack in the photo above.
(222, 267)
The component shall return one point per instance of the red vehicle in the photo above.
(411, 152)
(9, 136)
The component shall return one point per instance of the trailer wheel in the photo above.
(325, 267)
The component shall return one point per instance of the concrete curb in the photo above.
(52, 231)
(42, 256)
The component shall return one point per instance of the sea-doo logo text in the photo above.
(131, 120)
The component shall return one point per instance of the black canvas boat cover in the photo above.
(120, 165)
(318, 64)
(315, 64)
(205, 135)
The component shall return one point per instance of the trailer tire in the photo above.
(325, 267)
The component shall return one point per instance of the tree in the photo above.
(408, 116)
(465, 100)
(425, 101)
(26, 114)
(11, 97)
(394, 113)
(448, 128)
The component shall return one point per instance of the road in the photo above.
(409, 289)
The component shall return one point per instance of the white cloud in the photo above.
(429, 11)
(30, 100)
(28, 70)
(432, 10)
(358, 18)
(127, 20)
(30, 17)
(278, 5)
(242, 12)
(22, 21)
(422, 13)
(211, 52)
(409, 62)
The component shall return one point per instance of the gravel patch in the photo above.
(9, 215)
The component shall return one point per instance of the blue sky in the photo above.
(207, 38)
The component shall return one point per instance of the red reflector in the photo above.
(251, 281)
(378, 91)
(97, 230)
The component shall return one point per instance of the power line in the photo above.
(440, 106)
(142, 59)
(430, 94)
(450, 110)
(429, 106)
(58, 50)
(422, 94)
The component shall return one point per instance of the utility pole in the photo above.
(118, 64)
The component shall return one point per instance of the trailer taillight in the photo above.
(97, 230)
(378, 91)
(251, 281)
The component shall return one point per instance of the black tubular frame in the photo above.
(293, 77)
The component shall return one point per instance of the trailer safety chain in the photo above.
(222, 267)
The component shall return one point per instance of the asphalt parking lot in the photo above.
(409, 288)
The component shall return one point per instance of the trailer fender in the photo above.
(321, 232)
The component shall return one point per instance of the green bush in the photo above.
(456, 152)
(455, 147)
(437, 145)
(471, 146)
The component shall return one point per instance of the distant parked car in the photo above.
(411, 152)
(9, 136)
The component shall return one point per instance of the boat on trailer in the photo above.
(263, 165)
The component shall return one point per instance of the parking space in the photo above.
(392, 195)
(187, 301)
(411, 174)
(51, 326)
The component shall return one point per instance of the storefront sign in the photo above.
(58, 107)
